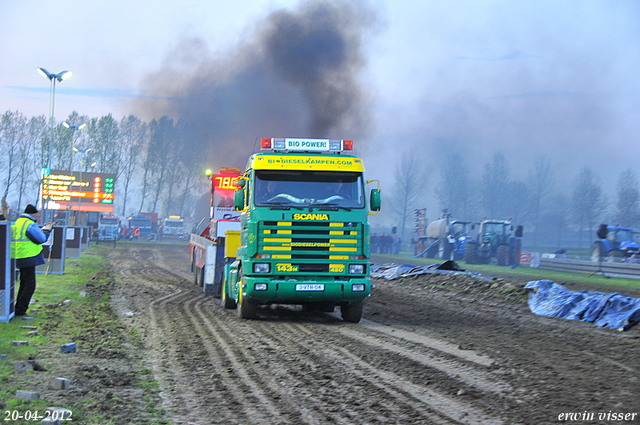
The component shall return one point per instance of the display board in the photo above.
(77, 191)
(7, 274)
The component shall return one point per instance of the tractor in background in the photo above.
(496, 239)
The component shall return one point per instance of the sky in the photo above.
(558, 79)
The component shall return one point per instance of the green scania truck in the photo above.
(304, 236)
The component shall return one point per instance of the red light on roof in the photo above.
(266, 143)
(347, 145)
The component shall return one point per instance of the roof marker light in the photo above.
(266, 144)
(347, 145)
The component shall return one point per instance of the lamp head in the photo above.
(63, 75)
(45, 73)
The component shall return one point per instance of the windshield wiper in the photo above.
(329, 205)
(279, 205)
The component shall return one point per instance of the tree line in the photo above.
(547, 211)
(155, 169)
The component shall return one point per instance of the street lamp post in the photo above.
(53, 78)
(82, 152)
(73, 128)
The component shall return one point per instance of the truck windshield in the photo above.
(319, 189)
(175, 224)
(110, 221)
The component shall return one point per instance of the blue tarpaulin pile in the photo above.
(614, 310)
(392, 271)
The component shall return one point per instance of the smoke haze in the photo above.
(297, 76)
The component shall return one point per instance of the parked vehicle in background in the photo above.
(172, 227)
(496, 239)
(618, 242)
(108, 227)
(140, 228)
(445, 239)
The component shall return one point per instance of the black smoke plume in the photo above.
(298, 76)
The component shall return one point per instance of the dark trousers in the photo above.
(27, 288)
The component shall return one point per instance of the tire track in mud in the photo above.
(214, 368)
(432, 405)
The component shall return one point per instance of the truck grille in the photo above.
(310, 240)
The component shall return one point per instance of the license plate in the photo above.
(310, 287)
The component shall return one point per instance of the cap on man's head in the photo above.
(31, 209)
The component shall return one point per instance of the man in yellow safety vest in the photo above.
(26, 248)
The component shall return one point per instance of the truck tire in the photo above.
(470, 252)
(225, 301)
(247, 309)
(352, 313)
(502, 255)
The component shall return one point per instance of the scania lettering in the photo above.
(304, 233)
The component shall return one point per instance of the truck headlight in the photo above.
(261, 267)
(260, 287)
(356, 268)
(358, 287)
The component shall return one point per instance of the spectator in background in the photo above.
(26, 247)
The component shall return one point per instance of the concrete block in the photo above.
(68, 348)
(24, 365)
(61, 383)
(3, 357)
(19, 343)
(27, 395)
(67, 302)
(33, 333)
(31, 328)
(29, 318)
(84, 294)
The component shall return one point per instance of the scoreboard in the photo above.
(79, 191)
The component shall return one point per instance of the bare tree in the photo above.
(588, 201)
(628, 205)
(541, 182)
(133, 132)
(12, 128)
(555, 218)
(494, 187)
(456, 189)
(160, 134)
(410, 181)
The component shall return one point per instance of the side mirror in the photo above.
(238, 199)
(374, 200)
(519, 230)
(240, 183)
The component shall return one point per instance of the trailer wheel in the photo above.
(225, 301)
(352, 313)
(502, 255)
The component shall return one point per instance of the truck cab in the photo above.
(304, 235)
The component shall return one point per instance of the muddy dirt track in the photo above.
(421, 355)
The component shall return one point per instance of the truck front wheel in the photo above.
(352, 313)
